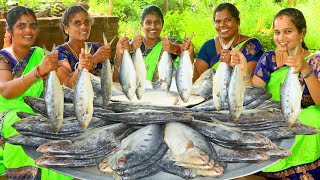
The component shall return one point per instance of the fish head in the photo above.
(188, 173)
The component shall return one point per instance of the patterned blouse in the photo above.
(66, 53)
(267, 64)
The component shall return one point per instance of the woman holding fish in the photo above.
(152, 45)
(226, 22)
(22, 69)
(76, 26)
(282, 72)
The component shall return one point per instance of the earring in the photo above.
(301, 40)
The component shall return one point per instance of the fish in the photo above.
(106, 82)
(153, 160)
(161, 98)
(300, 128)
(203, 85)
(220, 82)
(52, 162)
(165, 71)
(98, 139)
(83, 99)
(222, 134)
(32, 141)
(290, 97)
(54, 100)
(187, 145)
(138, 147)
(169, 166)
(184, 76)
(141, 72)
(236, 90)
(240, 156)
(127, 76)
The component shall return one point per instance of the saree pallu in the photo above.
(249, 48)
(304, 163)
(19, 165)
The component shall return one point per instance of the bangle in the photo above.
(248, 76)
(40, 75)
(307, 75)
(35, 74)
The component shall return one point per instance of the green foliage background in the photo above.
(187, 16)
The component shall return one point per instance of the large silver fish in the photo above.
(106, 82)
(141, 72)
(220, 83)
(106, 77)
(184, 76)
(54, 99)
(165, 70)
(127, 75)
(203, 85)
(290, 99)
(236, 90)
(83, 99)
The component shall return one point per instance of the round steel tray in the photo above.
(233, 170)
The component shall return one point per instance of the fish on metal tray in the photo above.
(161, 98)
(51, 162)
(203, 85)
(32, 141)
(138, 147)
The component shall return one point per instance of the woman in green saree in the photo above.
(22, 69)
(289, 31)
(151, 44)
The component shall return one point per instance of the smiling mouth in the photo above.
(224, 30)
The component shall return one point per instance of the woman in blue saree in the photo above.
(289, 31)
(151, 44)
(227, 21)
(76, 26)
(22, 69)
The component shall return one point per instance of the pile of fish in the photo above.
(189, 132)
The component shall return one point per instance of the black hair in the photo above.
(151, 9)
(15, 13)
(68, 14)
(297, 18)
(232, 9)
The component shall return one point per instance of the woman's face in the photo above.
(25, 31)
(285, 32)
(226, 25)
(152, 26)
(79, 27)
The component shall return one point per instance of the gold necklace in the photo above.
(228, 45)
(16, 56)
(73, 52)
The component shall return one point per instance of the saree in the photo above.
(250, 48)
(153, 55)
(19, 165)
(304, 163)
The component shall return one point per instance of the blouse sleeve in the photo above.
(265, 66)
(253, 50)
(62, 53)
(207, 51)
(4, 63)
